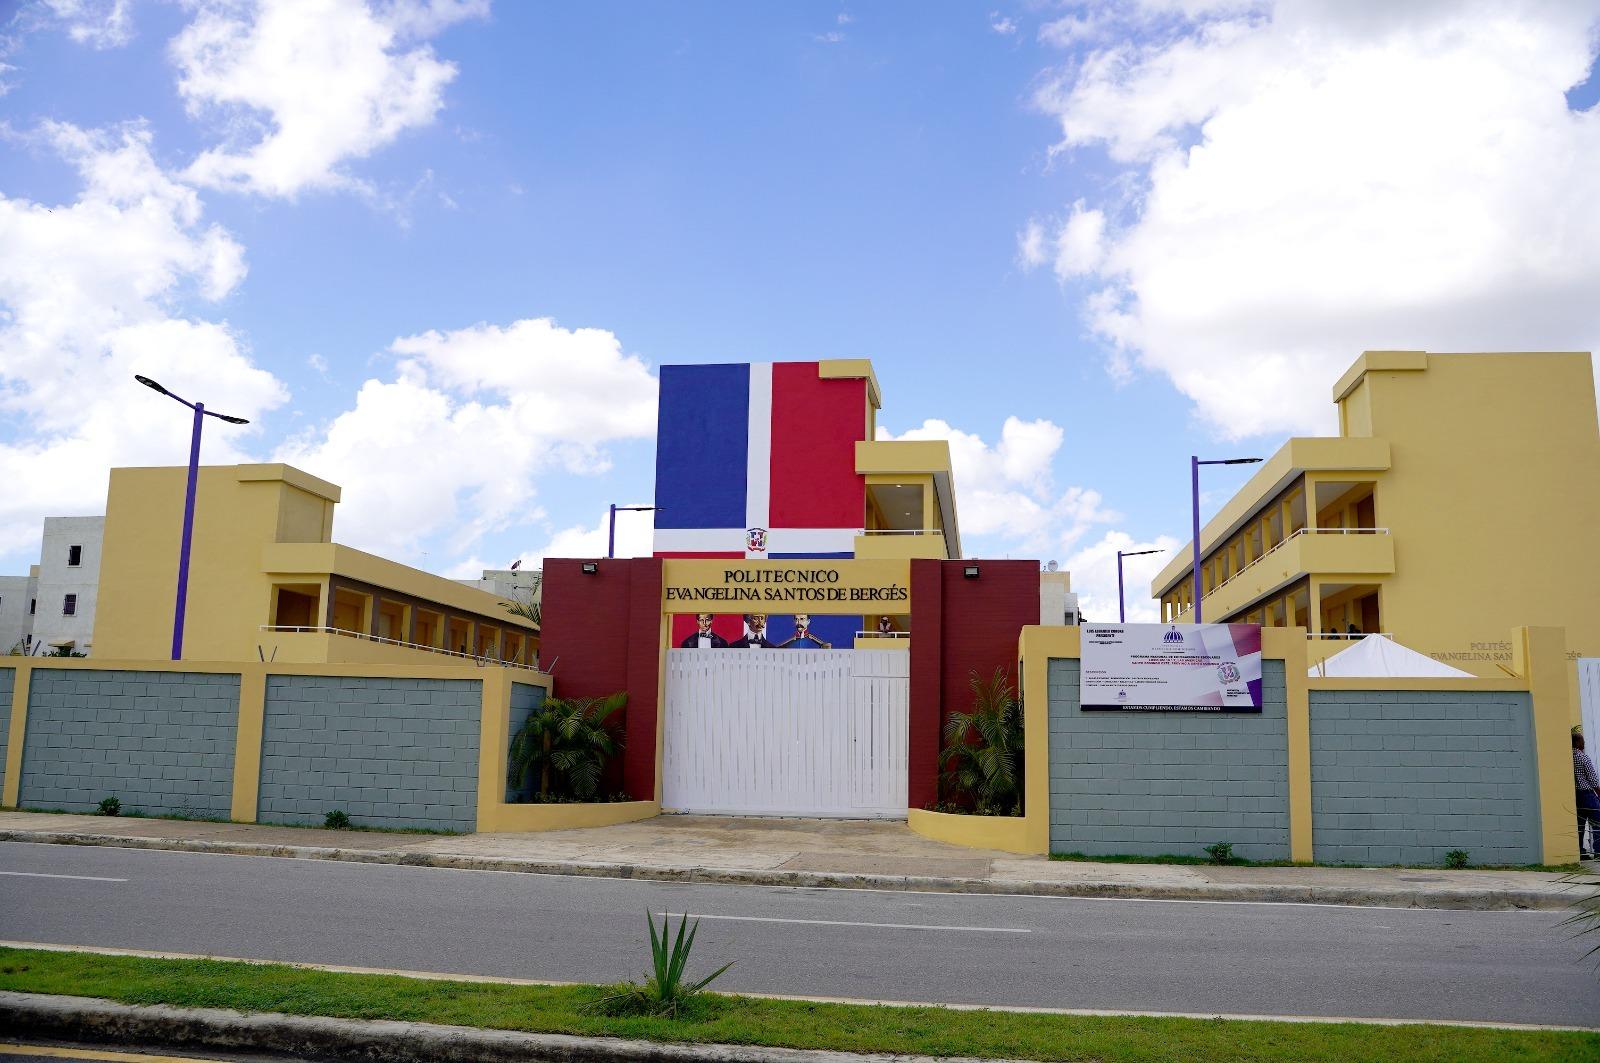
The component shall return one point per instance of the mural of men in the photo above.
(703, 638)
(802, 637)
(755, 633)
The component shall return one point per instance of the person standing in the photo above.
(1587, 782)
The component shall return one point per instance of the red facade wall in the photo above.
(959, 626)
(601, 634)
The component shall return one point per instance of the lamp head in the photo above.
(230, 420)
(151, 384)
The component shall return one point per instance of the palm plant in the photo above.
(568, 742)
(527, 606)
(982, 757)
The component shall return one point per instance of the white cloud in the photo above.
(831, 37)
(1318, 177)
(1002, 24)
(90, 294)
(635, 537)
(1005, 492)
(1094, 576)
(97, 23)
(452, 447)
(845, 18)
(303, 86)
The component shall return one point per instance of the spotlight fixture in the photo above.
(591, 567)
(970, 571)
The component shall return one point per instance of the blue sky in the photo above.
(1047, 214)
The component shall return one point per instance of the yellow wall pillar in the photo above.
(1540, 657)
(250, 721)
(1290, 644)
(15, 734)
(1037, 646)
(494, 726)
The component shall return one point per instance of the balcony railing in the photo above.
(481, 660)
(1349, 635)
(902, 531)
(883, 634)
(1285, 542)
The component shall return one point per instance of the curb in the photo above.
(1355, 896)
(86, 1019)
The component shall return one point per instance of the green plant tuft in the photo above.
(667, 993)
(109, 806)
(1456, 859)
(1220, 853)
(336, 820)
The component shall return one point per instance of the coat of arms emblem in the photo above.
(755, 540)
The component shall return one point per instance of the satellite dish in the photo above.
(1052, 566)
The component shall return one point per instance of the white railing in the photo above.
(902, 531)
(1347, 634)
(883, 634)
(395, 642)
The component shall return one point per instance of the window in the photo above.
(74, 556)
(33, 606)
(69, 605)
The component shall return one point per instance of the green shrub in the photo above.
(1220, 853)
(109, 806)
(567, 742)
(666, 993)
(982, 759)
(1456, 858)
(336, 820)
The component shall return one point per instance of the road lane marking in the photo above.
(878, 926)
(80, 878)
(1023, 1009)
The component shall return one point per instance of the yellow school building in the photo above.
(1460, 498)
(268, 583)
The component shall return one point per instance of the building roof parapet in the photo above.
(853, 369)
(1292, 460)
(1378, 361)
(290, 475)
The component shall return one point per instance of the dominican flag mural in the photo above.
(759, 461)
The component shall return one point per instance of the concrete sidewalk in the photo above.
(810, 853)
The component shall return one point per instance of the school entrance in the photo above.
(786, 732)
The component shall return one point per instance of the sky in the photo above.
(435, 250)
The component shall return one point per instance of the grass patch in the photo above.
(780, 1023)
(1239, 861)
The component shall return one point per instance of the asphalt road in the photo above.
(1213, 958)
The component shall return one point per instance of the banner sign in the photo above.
(1168, 668)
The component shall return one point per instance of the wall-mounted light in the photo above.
(591, 567)
(970, 571)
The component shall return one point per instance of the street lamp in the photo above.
(200, 413)
(611, 538)
(1122, 616)
(1194, 497)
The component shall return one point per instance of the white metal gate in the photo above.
(786, 732)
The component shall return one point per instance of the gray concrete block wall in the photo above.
(386, 752)
(1155, 783)
(1403, 777)
(525, 698)
(8, 683)
(160, 742)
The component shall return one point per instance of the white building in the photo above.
(60, 590)
(524, 585)
(18, 599)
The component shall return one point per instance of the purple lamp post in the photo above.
(611, 538)
(1122, 615)
(200, 413)
(1194, 496)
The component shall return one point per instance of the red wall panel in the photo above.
(815, 426)
(601, 634)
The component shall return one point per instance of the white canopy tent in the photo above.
(1378, 657)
